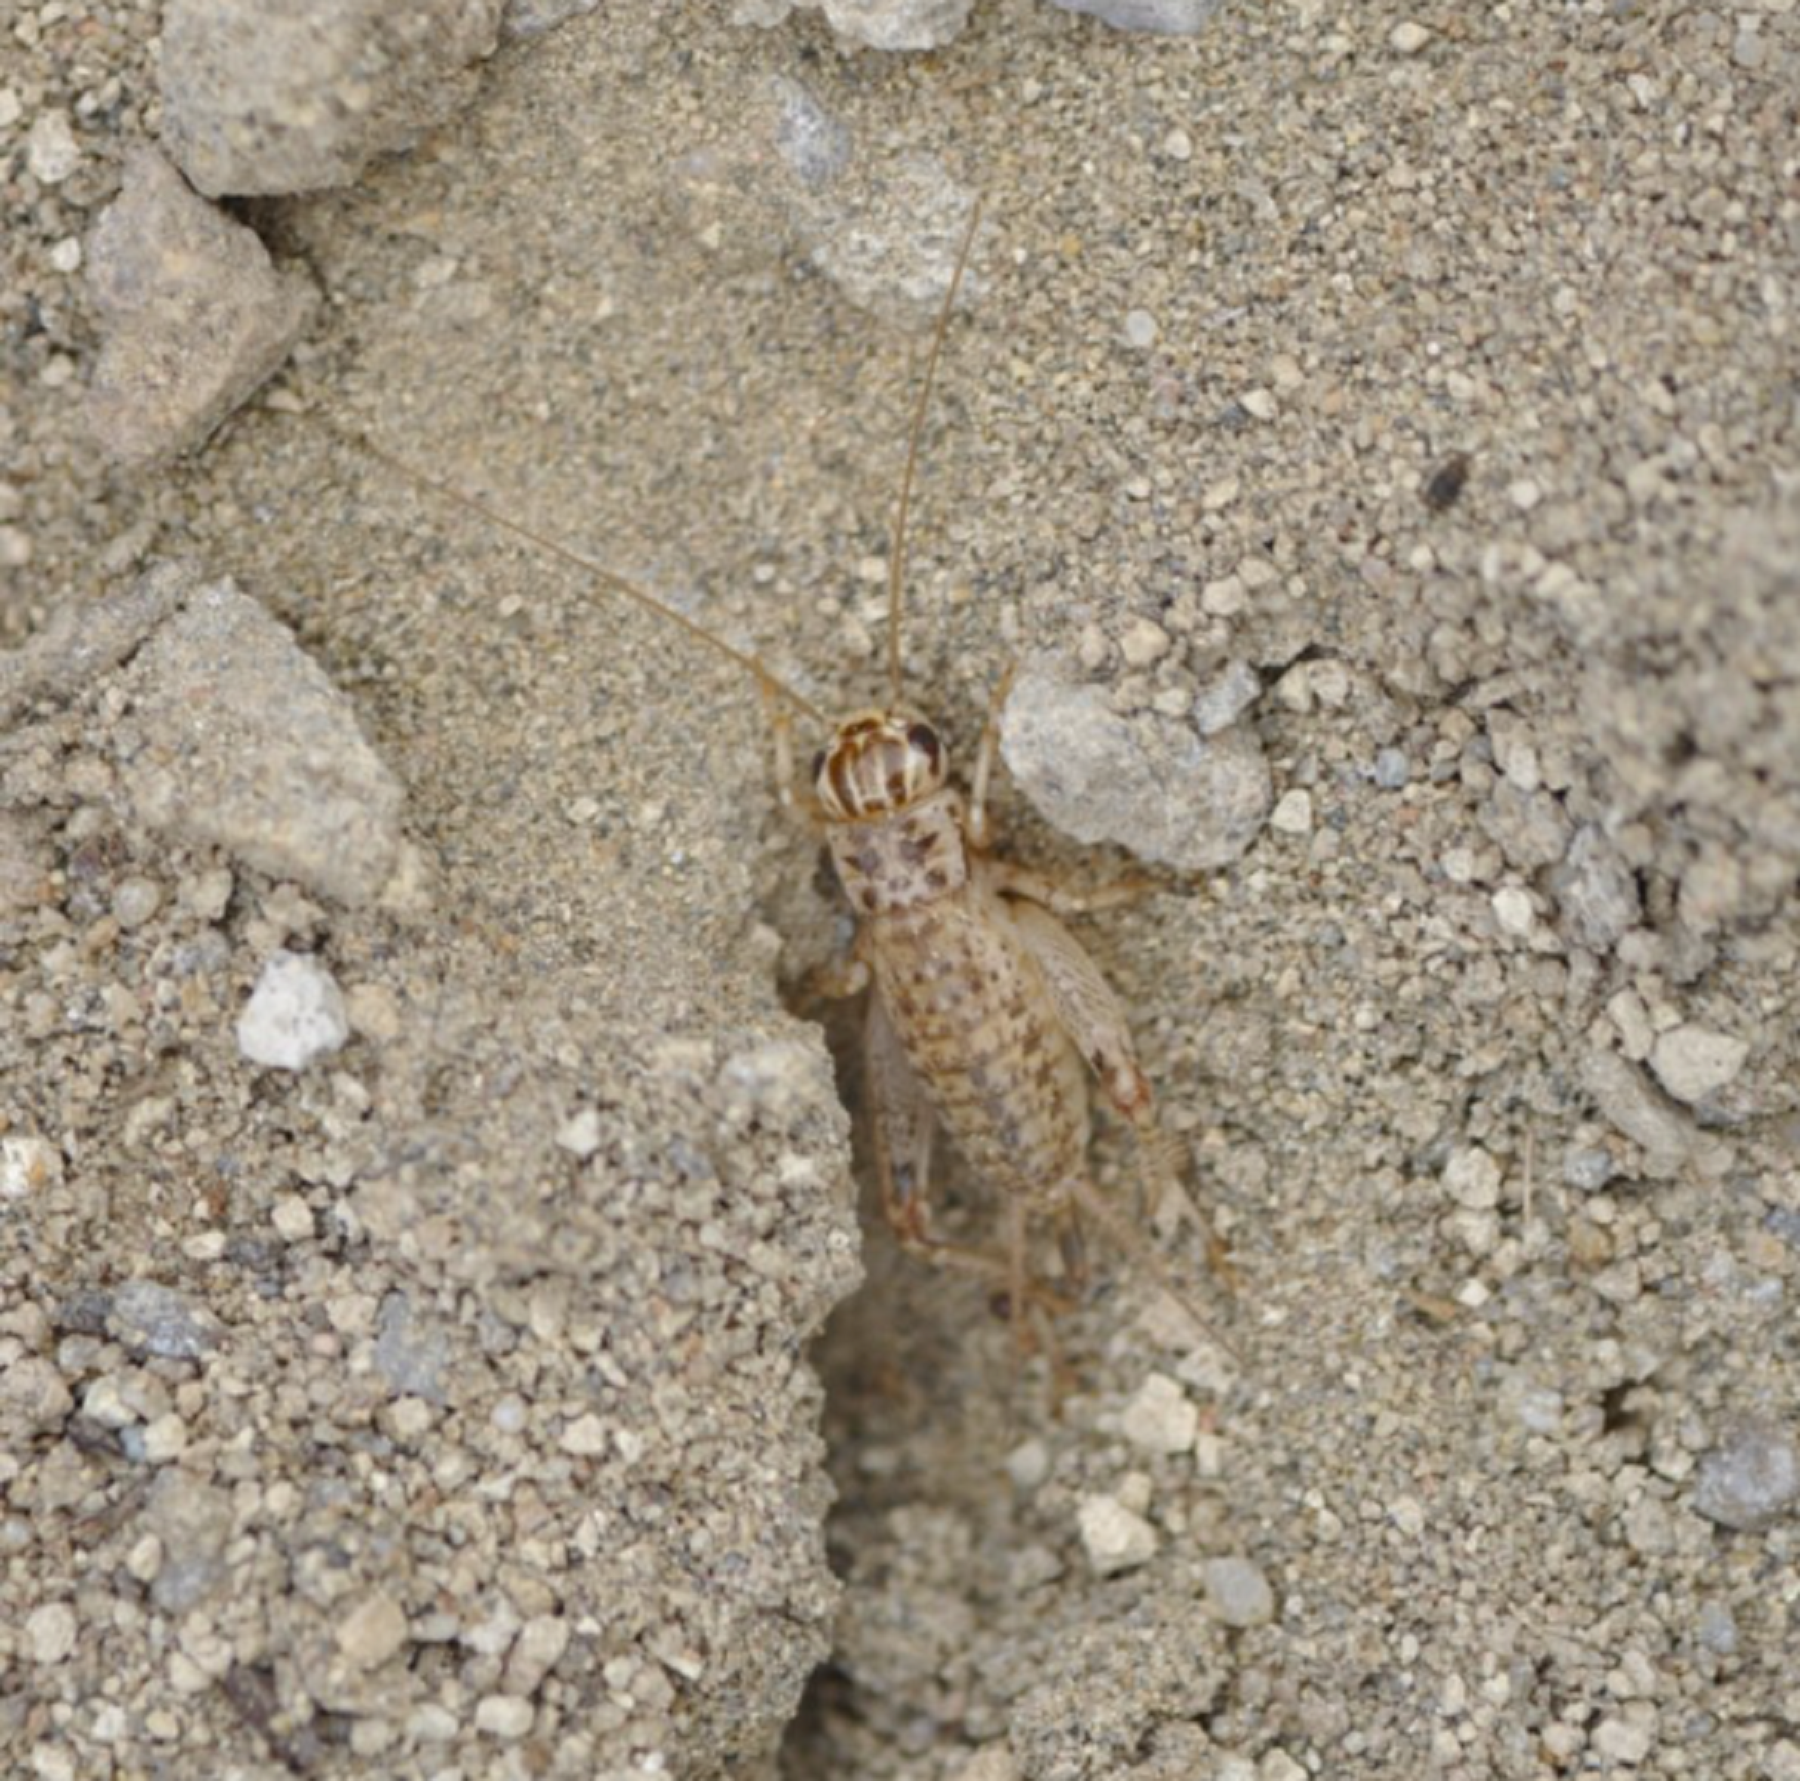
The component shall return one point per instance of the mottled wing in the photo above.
(1086, 1004)
(903, 1121)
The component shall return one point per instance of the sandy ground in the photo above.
(467, 1422)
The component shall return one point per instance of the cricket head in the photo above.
(878, 764)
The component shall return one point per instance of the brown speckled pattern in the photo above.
(966, 1000)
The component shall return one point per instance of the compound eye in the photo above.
(922, 738)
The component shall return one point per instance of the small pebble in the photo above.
(51, 151)
(373, 1631)
(1513, 910)
(28, 1166)
(1293, 813)
(292, 1219)
(135, 901)
(1160, 1417)
(1622, 1741)
(1238, 1592)
(1409, 37)
(586, 1437)
(579, 1134)
(1140, 329)
(1028, 1465)
(1692, 1063)
(1392, 769)
(1749, 1478)
(294, 1016)
(1472, 1178)
(50, 1632)
(1144, 642)
(504, 1716)
(1114, 1538)
(165, 1439)
(1587, 1171)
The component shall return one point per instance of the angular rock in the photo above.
(872, 24)
(79, 642)
(1596, 892)
(294, 1016)
(1692, 1063)
(1166, 18)
(148, 1318)
(304, 798)
(1150, 783)
(268, 96)
(1749, 1478)
(196, 315)
(1632, 1105)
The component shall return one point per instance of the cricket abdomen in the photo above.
(966, 1002)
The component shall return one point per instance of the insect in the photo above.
(1444, 486)
(985, 1017)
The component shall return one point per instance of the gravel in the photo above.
(1444, 413)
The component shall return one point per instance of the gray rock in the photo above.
(1529, 827)
(873, 24)
(79, 642)
(815, 145)
(1150, 783)
(1631, 1104)
(152, 1319)
(1595, 891)
(266, 96)
(1168, 18)
(196, 315)
(305, 799)
(1226, 697)
(1238, 1592)
(193, 1520)
(411, 1352)
(1749, 1478)
(1692, 1063)
(888, 236)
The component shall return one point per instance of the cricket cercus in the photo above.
(986, 1018)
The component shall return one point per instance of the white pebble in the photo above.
(1472, 1179)
(51, 151)
(1140, 329)
(1160, 1417)
(586, 1437)
(1178, 145)
(1692, 1063)
(50, 1631)
(1622, 1741)
(1113, 1537)
(503, 1716)
(1513, 910)
(1028, 1465)
(28, 1166)
(1293, 815)
(1408, 1515)
(580, 1133)
(165, 1439)
(1409, 37)
(295, 1014)
(1143, 643)
(292, 1219)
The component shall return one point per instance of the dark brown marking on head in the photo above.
(937, 878)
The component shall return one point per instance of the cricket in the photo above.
(986, 1020)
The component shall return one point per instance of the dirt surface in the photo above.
(449, 1405)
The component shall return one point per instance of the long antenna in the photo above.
(605, 578)
(897, 555)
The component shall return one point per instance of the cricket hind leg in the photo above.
(1090, 1012)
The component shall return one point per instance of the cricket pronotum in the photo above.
(985, 1016)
